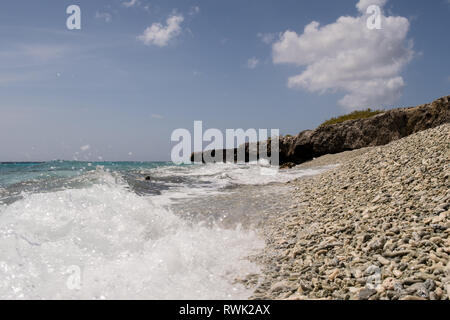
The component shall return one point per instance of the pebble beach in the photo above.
(375, 227)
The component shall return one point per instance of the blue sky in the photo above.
(117, 88)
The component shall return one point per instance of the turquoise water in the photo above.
(12, 173)
(20, 178)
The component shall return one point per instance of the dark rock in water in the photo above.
(147, 178)
(352, 134)
(287, 165)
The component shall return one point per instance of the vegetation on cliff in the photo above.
(360, 114)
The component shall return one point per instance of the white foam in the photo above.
(219, 175)
(125, 246)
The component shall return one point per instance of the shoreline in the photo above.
(375, 227)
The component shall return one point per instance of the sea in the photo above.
(132, 230)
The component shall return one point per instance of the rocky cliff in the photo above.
(354, 134)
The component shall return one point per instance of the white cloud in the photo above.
(252, 63)
(349, 57)
(160, 35)
(267, 38)
(131, 3)
(107, 17)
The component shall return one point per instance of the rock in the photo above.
(366, 237)
(383, 261)
(353, 134)
(430, 285)
(389, 284)
(438, 292)
(339, 254)
(377, 244)
(305, 287)
(357, 273)
(279, 286)
(366, 293)
(297, 296)
(373, 269)
(420, 289)
(397, 273)
(287, 165)
(353, 290)
(398, 287)
(412, 298)
(333, 275)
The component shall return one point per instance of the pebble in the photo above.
(383, 261)
(366, 293)
(383, 213)
(373, 269)
(397, 273)
(279, 286)
(411, 298)
(389, 283)
(334, 274)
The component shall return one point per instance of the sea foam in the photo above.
(106, 242)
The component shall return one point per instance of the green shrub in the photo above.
(362, 114)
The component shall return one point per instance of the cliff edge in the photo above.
(378, 130)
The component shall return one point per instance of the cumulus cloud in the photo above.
(349, 57)
(160, 35)
(252, 63)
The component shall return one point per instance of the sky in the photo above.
(137, 70)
